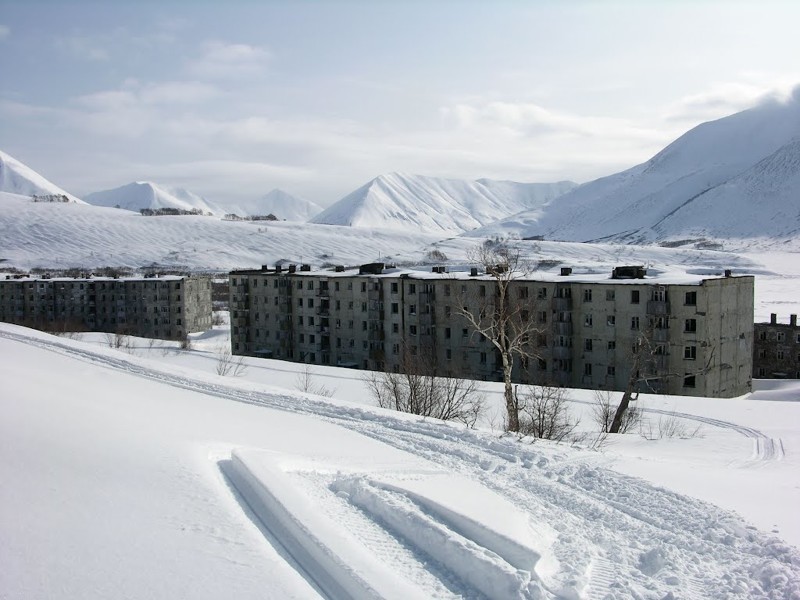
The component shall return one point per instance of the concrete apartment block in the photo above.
(776, 351)
(166, 307)
(698, 332)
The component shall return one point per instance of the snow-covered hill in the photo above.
(447, 206)
(736, 179)
(147, 195)
(279, 203)
(17, 178)
(69, 235)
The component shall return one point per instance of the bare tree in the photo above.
(305, 383)
(227, 364)
(544, 412)
(603, 412)
(416, 389)
(503, 318)
(648, 368)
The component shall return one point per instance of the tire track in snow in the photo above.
(595, 511)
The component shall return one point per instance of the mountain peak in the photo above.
(18, 178)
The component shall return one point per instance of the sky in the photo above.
(231, 100)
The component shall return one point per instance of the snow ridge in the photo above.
(17, 178)
(147, 195)
(283, 205)
(734, 178)
(448, 206)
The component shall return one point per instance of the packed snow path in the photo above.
(613, 536)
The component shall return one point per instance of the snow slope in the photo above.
(141, 479)
(69, 235)
(17, 178)
(734, 179)
(446, 206)
(279, 203)
(145, 194)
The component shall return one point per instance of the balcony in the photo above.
(657, 307)
(560, 328)
(562, 304)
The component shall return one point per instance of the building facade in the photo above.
(166, 307)
(776, 349)
(697, 336)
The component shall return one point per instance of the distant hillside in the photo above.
(446, 206)
(147, 195)
(737, 179)
(17, 178)
(279, 203)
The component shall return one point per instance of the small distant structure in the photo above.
(776, 349)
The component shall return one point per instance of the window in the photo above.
(541, 316)
(690, 352)
(395, 308)
(448, 354)
(482, 290)
(587, 369)
(310, 303)
(412, 329)
(447, 311)
(762, 372)
(336, 286)
(394, 287)
(412, 288)
(780, 336)
(447, 333)
(635, 323)
(395, 348)
(611, 320)
(612, 345)
(310, 285)
(587, 345)
(363, 325)
(465, 333)
(350, 324)
(523, 293)
(483, 358)
(610, 295)
(311, 338)
(587, 320)
(690, 326)
(762, 353)
(447, 290)
(395, 328)
(634, 296)
(611, 371)
(541, 340)
(541, 293)
(587, 295)
(658, 295)
(300, 302)
(412, 309)
(781, 354)
(363, 307)
(762, 335)
(690, 299)
(689, 381)
(798, 338)
(302, 338)
(363, 286)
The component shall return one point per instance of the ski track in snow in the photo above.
(618, 536)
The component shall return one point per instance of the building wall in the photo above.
(698, 338)
(165, 308)
(776, 352)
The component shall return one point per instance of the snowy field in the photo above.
(139, 472)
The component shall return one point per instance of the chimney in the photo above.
(473, 272)
(292, 268)
(566, 271)
(773, 319)
(727, 272)
(278, 268)
(793, 320)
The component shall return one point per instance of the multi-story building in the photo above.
(697, 334)
(776, 350)
(165, 307)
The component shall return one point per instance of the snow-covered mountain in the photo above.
(279, 203)
(447, 206)
(145, 194)
(17, 178)
(737, 178)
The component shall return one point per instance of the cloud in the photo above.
(224, 60)
(723, 99)
(91, 48)
(5, 31)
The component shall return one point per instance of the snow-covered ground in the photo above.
(143, 473)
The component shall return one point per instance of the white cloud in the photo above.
(91, 48)
(220, 59)
(5, 31)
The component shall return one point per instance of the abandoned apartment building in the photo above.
(163, 307)
(699, 332)
(776, 349)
